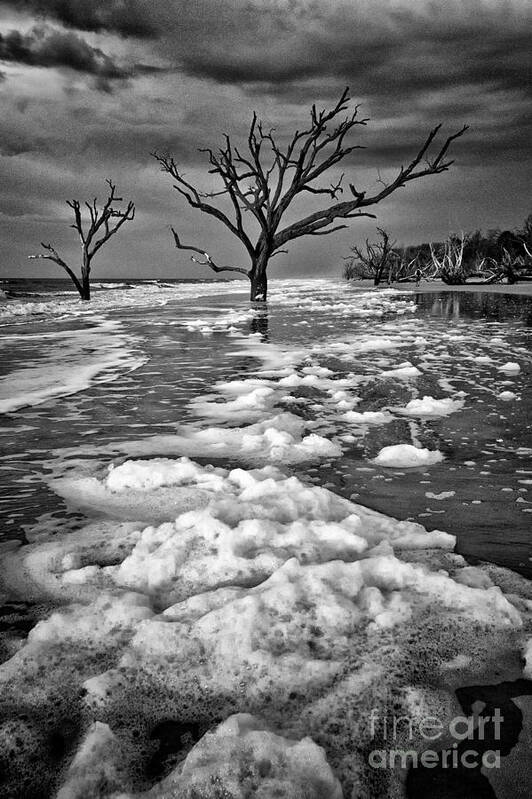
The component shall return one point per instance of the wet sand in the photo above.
(428, 286)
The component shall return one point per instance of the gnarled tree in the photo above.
(377, 261)
(103, 222)
(262, 181)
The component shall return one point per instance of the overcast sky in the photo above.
(90, 89)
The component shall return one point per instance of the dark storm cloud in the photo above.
(385, 55)
(45, 47)
(380, 49)
(413, 65)
(385, 51)
(123, 17)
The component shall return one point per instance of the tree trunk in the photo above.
(259, 280)
(85, 281)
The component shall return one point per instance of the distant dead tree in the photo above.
(263, 180)
(103, 223)
(382, 260)
(376, 261)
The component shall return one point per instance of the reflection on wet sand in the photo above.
(260, 323)
(459, 305)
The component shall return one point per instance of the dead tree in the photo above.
(261, 182)
(103, 223)
(378, 260)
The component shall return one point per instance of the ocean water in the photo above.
(270, 429)
(130, 365)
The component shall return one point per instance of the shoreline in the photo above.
(426, 287)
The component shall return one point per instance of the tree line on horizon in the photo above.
(259, 184)
(477, 256)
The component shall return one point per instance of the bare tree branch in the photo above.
(194, 199)
(54, 256)
(208, 262)
(344, 209)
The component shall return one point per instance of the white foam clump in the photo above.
(221, 323)
(406, 455)
(404, 371)
(241, 758)
(367, 417)
(507, 396)
(297, 628)
(252, 400)
(441, 495)
(258, 522)
(510, 368)
(309, 380)
(428, 406)
(279, 439)
(473, 577)
(241, 528)
(148, 475)
(137, 490)
(108, 616)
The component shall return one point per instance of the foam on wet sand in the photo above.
(262, 614)
(73, 361)
(272, 589)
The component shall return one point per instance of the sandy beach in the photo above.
(428, 286)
